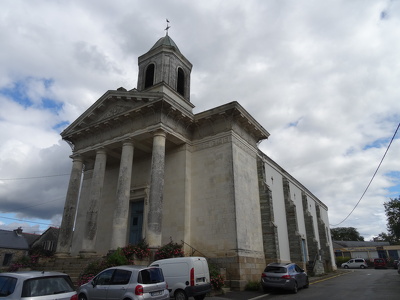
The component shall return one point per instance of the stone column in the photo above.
(96, 188)
(153, 234)
(67, 224)
(121, 211)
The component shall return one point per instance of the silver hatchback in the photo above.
(126, 282)
(38, 285)
(284, 276)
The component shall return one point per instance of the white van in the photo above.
(186, 276)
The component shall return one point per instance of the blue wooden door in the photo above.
(136, 222)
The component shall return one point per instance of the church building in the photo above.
(144, 166)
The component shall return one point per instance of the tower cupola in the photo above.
(165, 65)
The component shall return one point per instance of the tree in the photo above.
(384, 237)
(346, 234)
(392, 210)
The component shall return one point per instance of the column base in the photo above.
(62, 254)
(153, 251)
(87, 254)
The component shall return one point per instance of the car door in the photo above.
(100, 284)
(300, 276)
(351, 263)
(119, 284)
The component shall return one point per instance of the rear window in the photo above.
(43, 286)
(7, 285)
(359, 260)
(151, 275)
(121, 277)
(274, 269)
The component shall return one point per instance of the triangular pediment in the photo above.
(111, 105)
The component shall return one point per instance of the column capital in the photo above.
(128, 142)
(77, 158)
(101, 150)
(159, 132)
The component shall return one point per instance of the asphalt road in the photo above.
(371, 284)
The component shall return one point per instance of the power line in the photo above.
(22, 178)
(30, 221)
(373, 176)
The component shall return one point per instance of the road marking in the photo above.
(329, 278)
(259, 297)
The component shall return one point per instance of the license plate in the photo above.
(158, 293)
(273, 278)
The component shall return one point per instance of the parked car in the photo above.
(284, 276)
(355, 263)
(186, 276)
(379, 263)
(126, 282)
(38, 285)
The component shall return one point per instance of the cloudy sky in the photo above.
(321, 76)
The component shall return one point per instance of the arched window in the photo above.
(180, 88)
(149, 76)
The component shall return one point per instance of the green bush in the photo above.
(340, 260)
(217, 280)
(141, 250)
(252, 286)
(169, 250)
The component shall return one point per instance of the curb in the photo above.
(327, 276)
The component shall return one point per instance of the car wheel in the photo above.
(346, 267)
(82, 297)
(307, 285)
(296, 288)
(362, 267)
(200, 297)
(180, 295)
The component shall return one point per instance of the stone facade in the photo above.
(145, 166)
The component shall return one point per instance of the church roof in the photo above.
(165, 41)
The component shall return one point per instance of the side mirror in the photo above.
(93, 283)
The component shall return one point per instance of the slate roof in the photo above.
(165, 41)
(31, 237)
(349, 244)
(10, 240)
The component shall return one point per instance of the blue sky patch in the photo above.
(20, 90)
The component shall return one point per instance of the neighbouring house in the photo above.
(47, 241)
(13, 246)
(366, 250)
(144, 166)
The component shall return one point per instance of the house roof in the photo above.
(11, 240)
(348, 244)
(30, 237)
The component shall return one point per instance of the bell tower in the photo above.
(164, 66)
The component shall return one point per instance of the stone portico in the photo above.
(145, 166)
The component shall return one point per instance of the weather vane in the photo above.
(168, 27)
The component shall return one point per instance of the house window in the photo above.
(48, 245)
(7, 259)
(149, 78)
(181, 82)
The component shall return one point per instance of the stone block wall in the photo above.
(269, 229)
(296, 252)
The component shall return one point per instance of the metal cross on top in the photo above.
(168, 27)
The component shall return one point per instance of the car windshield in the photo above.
(7, 285)
(275, 269)
(152, 275)
(42, 286)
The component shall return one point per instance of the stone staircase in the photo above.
(73, 266)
